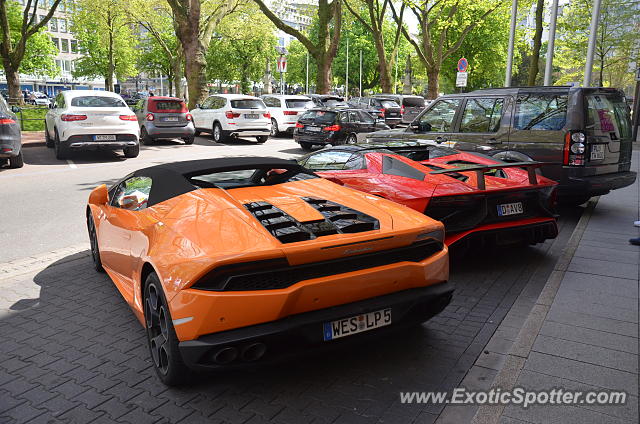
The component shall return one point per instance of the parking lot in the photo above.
(73, 352)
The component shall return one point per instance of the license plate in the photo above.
(313, 129)
(356, 324)
(510, 209)
(597, 151)
(104, 137)
(170, 119)
(251, 115)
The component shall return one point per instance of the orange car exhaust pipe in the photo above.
(253, 352)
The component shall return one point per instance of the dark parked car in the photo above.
(410, 105)
(323, 126)
(10, 137)
(584, 133)
(164, 118)
(327, 100)
(386, 109)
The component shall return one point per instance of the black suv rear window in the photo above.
(389, 104)
(247, 104)
(607, 114)
(541, 112)
(318, 117)
(413, 102)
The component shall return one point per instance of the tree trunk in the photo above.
(383, 66)
(537, 44)
(432, 84)
(323, 76)
(195, 70)
(176, 67)
(13, 82)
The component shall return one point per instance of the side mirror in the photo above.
(99, 195)
(15, 109)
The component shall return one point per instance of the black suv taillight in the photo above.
(574, 148)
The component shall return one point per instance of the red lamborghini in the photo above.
(475, 196)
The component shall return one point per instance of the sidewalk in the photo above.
(582, 333)
(32, 138)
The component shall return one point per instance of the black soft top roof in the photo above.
(172, 179)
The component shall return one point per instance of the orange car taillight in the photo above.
(67, 117)
(574, 148)
(332, 128)
(150, 117)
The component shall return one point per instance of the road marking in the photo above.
(71, 164)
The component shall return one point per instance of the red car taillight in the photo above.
(230, 115)
(402, 110)
(128, 118)
(150, 117)
(7, 121)
(382, 112)
(189, 117)
(290, 112)
(332, 128)
(299, 125)
(267, 115)
(574, 148)
(70, 117)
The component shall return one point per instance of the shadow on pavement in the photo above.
(46, 156)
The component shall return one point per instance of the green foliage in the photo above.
(40, 51)
(32, 118)
(103, 30)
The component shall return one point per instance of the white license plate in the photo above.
(597, 151)
(357, 324)
(313, 129)
(510, 209)
(170, 119)
(251, 116)
(104, 137)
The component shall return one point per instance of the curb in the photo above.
(34, 144)
(508, 375)
(22, 266)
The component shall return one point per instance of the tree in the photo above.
(195, 23)
(537, 43)
(153, 59)
(16, 33)
(436, 19)
(244, 44)
(105, 40)
(323, 49)
(375, 23)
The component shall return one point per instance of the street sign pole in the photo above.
(548, 69)
(360, 84)
(593, 32)
(346, 75)
(307, 78)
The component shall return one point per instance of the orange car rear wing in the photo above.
(480, 170)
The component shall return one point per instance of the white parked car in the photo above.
(39, 99)
(232, 115)
(91, 119)
(285, 110)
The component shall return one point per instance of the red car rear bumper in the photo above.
(535, 230)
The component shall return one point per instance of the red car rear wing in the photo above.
(480, 170)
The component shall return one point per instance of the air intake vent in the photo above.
(281, 225)
(346, 220)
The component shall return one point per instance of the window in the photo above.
(481, 116)
(53, 24)
(354, 116)
(132, 194)
(298, 103)
(271, 101)
(59, 64)
(40, 18)
(74, 46)
(328, 160)
(541, 112)
(56, 42)
(64, 45)
(413, 102)
(608, 115)
(365, 118)
(247, 104)
(67, 66)
(62, 25)
(208, 103)
(318, 117)
(97, 101)
(343, 117)
(440, 117)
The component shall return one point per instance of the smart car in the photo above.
(237, 260)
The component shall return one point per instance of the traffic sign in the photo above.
(282, 64)
(463, 65)
(461, 79)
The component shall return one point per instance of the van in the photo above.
(410, 105)
(583, 133)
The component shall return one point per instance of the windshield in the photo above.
(97, 101)
(318, 117)
(298, 103)
(250, 177)
(247, 104)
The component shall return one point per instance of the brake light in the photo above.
(332, 128)
(290, 112)
(574, 149)
(150, 117)
(189, 117)
(230, 115)
(267, 115)
(7, 121)
(128, 118)
(402, 110)
(70, 117)
(382, 112)
(299, 125)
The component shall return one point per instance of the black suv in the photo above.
(585, 133)
(323, 126)
(386, 109)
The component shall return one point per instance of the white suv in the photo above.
(285, 110)
(91, 119)
(237, 115)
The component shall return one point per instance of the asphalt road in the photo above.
(42, 204)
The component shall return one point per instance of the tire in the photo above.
(262, 138)
(351, 139)
(145, 138)
(61, 151)
(306, 146)
(274, 128)
(197, 133)
(16, 161)
(47, 138)
(189, 140)
(131, 152)
(219, 136)
(93, 239)
(161, 336)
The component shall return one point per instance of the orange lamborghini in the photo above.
(227, 261)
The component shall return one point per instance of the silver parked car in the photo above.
(411, 106)
(164, 118)
(10, 136)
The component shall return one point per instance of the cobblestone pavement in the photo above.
(71, 351)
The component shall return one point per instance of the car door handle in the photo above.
(494, 141)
